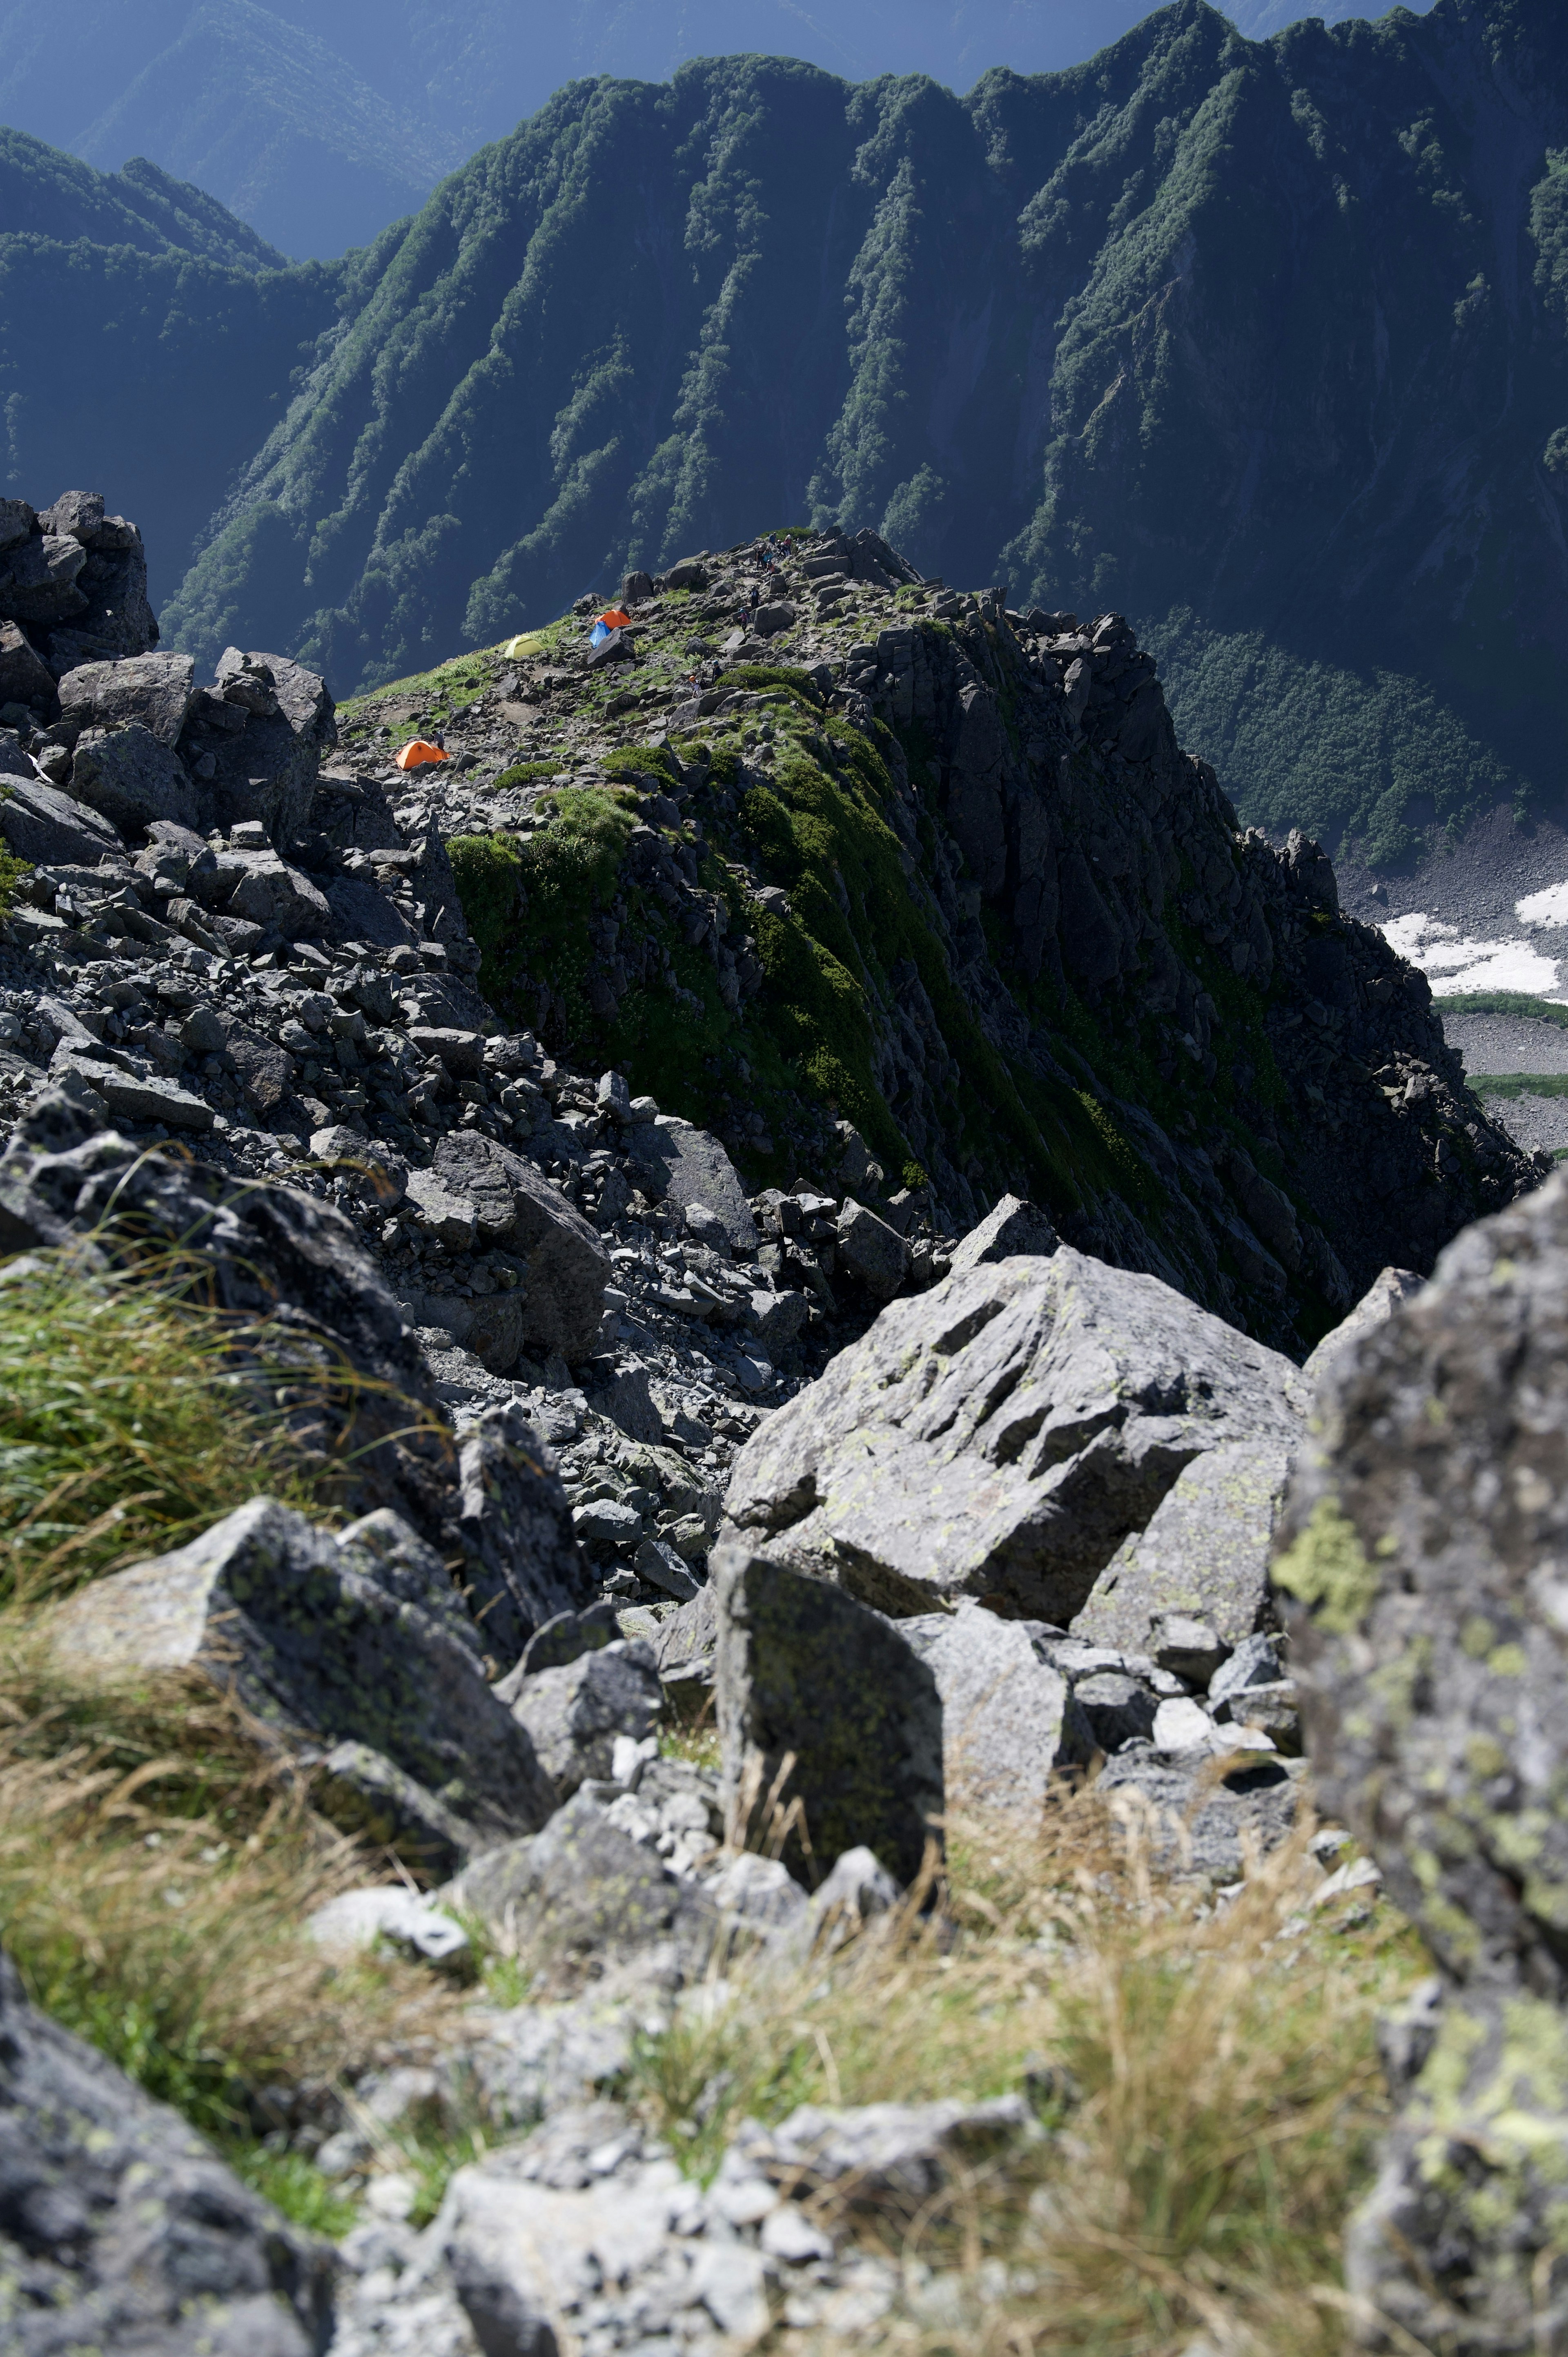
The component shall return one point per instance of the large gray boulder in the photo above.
(1002, 1436)
(132, 777)
(1424, 1541)
(51, 829)
(516, 1209)
(683, 1164)
(120, 2230)
(255, 741)
(153, 690)
(330, 1639)
(824, 1710)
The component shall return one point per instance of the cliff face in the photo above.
(936, 872)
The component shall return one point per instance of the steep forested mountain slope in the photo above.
(147, 338)
(322, 121)
(1261, 344)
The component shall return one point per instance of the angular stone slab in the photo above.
(133, 779)
(153, 690)
(325, 1638)
(1009, 1720)
(1388, 1292)
(517, 1209)
(684, 1164)
(1205, 1553)
(1002, 1436)
(823, 1700)
(1013, 1227)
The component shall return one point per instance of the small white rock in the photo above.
(789, 2235)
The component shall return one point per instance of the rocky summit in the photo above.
(751, 1178)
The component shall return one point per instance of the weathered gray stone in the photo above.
(1119, 1707)
(133, 779)
(1002, 1436)
(581, 1897)
(573, 1714)
(1009, 1720)
(1422, 1568)
(25, 677)
(136, 1097)
(1011, 1228)
(121, 2229)
(1196, 1816)
(37, 579)
(266, 770)
(821, 1703)
(1204, 1555)
(152, 691)
(515, 1207)
(1388, 1293)
(525, 1567)
(322, 1639)
(872, 1250)
(687, 1166)
(267, 891)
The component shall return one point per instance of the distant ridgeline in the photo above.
(1249, 341)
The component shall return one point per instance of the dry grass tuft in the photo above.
(156, 1866)
(1206, 2075)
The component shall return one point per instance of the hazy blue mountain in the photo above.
(321, 121)
(148, 340)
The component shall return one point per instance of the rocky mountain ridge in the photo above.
(1106, 995)
(926, 1522)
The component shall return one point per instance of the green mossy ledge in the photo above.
(1015, 937)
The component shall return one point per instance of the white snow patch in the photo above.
(1547, 907)
(1456, 965)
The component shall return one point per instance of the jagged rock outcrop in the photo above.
(1422, 1574)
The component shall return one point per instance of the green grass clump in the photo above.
(761, 676)
(1520, 1084)
(528, 773)
(527, 901)
(638, 760)
(156, 1868)
(1502, 1002)
(12, 871)
(131, 1419)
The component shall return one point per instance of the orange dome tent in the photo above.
(419, 754)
